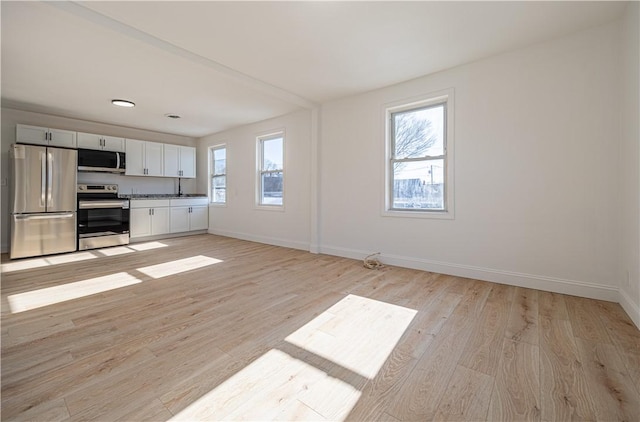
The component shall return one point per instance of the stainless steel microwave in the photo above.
(101, 161)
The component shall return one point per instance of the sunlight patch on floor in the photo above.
(115, 250)
(276, 386)
(357, 333)
(147, 246)
(34, 299)
(136, 247)
(28, 264)
(178, 266)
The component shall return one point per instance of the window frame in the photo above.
(213, 175)
(260, 139)
(445, 98)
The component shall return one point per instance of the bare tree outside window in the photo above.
(418, 158)
(413, 136)
(271, 165)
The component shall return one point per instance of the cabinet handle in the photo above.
(149, 211)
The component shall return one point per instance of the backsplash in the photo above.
(139, 185)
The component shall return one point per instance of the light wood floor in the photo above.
(237, 330)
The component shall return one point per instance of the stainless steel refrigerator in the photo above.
(43, 200)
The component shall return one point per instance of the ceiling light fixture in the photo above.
(123, 103)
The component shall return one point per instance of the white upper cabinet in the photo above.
(45, 136)
(187, 162)
(154, 153)
(171, 160)
(179, 161)
(144, 158)
(101, 142)
(136, 163)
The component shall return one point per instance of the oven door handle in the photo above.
(87, 205)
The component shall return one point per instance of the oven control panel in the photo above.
(98, 188)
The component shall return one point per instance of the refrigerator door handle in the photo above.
(49, 179)
(46, 216)
(43, 180)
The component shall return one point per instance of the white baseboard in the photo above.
(550, 284)
(165, 236)
(631, 308)
(285, 243)
(531, 281)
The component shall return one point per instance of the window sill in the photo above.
(433, 215)
(279, 208)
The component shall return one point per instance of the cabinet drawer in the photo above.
(149, 203)
(188, 202)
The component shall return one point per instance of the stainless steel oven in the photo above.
(103, 218)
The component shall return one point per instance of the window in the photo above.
(271, 169)
(218, 172)
(419, 163)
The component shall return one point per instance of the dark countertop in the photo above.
(162, 196)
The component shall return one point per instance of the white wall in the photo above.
(536, 171)
(630, 164)
(11, 117)
(240, 217)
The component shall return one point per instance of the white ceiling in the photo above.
(224, 64)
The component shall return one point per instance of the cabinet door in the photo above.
(111, 143)
(154, 158)
(199, 218)
(135, 158)
(188, 162)
(160, 223)
(31, 135)
(139, 222)
(62, 138)
(179, 219)
(89, 141)
(171, 160)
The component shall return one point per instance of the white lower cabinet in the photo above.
(199, 219)
(151, 217)
(189, 214)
